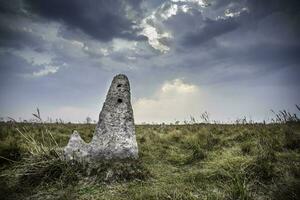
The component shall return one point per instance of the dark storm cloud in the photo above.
(209, 27)
(17, 38)
(10, 7)
(210, 30)
(101, 19)
(195, 27)
(263, 8)
(15, 31)
(259, 40)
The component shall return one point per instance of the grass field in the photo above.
(192, 161)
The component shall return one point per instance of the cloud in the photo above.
(188, 23)
(201, 3)
(15, 34)
(154, 37)
(174, 100)
(11, 7)
(177, 86)
(33, 57)
(229, 13)
(100, 19)
(151, 27)
(48, 69)
(210, 43)
(209, 30)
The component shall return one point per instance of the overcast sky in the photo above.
(231, 58)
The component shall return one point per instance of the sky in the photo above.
(231, 58)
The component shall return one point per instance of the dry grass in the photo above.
(191, 161)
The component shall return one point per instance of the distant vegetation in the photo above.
(244, 161)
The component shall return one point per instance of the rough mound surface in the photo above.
(114, 137)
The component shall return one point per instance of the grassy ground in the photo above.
(200, 161)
